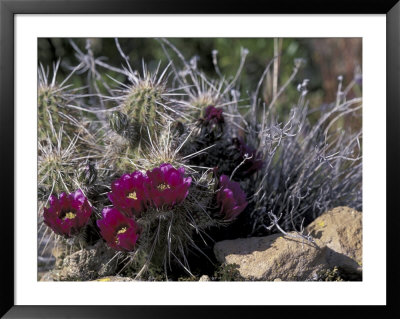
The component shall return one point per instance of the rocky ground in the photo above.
(333, 254)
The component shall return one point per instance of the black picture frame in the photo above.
(8, 10)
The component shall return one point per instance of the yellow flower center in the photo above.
(69, 215)
(121, 231)
(132, 195)
(163, 186)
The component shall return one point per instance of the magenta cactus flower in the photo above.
(68, 213)
(168, 186)
(230, 198)
(213, 115)
(120, 232)
(129, 193)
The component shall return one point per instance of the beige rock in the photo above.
(60, 251)
(338, 242)
(340, 229)
(87, 264)
(272, 257)
(204, 278)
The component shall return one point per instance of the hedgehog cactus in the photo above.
(202, 101)
(162, 164)
(54, 113)
(143, 109)
(48, 117)
(143, 104)
(168, 208)
(143, 112)
(56, 169)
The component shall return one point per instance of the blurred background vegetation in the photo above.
(325, 59)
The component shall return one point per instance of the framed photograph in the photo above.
(171, 161)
